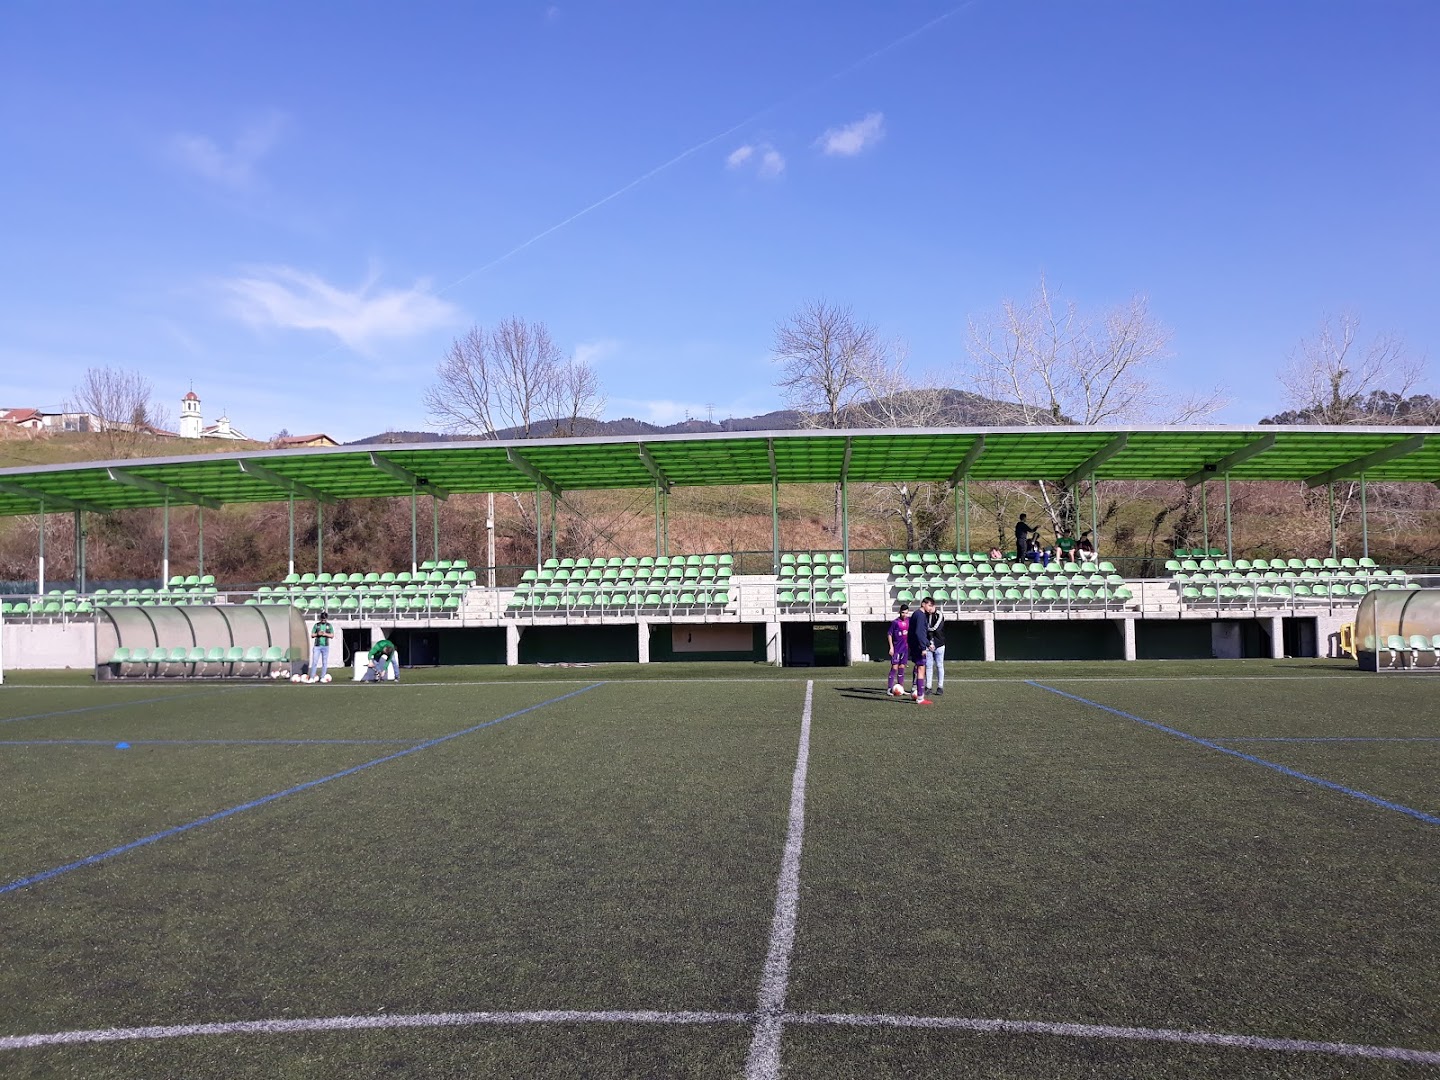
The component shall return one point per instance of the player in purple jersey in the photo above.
(899, 634)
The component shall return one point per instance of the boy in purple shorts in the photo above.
(899, 634)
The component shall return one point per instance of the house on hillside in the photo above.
(27, 419)
(295, 442)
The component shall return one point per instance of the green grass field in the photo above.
(1059, 870)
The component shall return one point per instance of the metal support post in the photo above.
(40, 567)
(1229, 527)
(1205, 516)
(79, 552)
(292, 534)
(165, 549)
(414, 534)
(200, 551)
(319, 538)
(553, 500)
(1364, 523)
(658, 551)
(775, 523)
(435, 528)
(665, 518)
(965, 497)
(489, 537)
(1331, 487)
(539, 533)
(845, 522)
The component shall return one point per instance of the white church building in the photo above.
(192, 426)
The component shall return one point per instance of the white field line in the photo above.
(1109, 1031)
(648, 1016)
(363, 1023)
(763, 1062)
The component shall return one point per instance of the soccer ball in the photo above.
(897, 691)
(325, 677)
(312, 678)
(295, 678)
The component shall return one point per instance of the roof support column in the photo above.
(774, 508)
(200, 551)
(845, 507)
(1095, 519)
(539, 532)
(40, 564)
(965, 498)
(165, 549)
(665, 516)
(658, 552)
(1331, 487)
(553, 552)
(489, 536)
(1229, 527)
(435, 532)
(414, 535)
(1205, 518)
(319, 538)
(292, 534)
(1364, 523)
(79, 551)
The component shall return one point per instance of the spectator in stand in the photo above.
(1065, 547)
(1023, 532)
(996, 554)
(1085, 548)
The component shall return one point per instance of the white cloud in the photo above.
(281, 296)
(591, 353)
(236, 166)
(767, 161)
(739, 156)
(851, 139)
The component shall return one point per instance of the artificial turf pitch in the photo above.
(608, 841)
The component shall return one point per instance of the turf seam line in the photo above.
(1285, 770)
(979, 1025)
(763, 1061)
(90, 860)
(210, 742)
(1110, 1031)
(120, 704)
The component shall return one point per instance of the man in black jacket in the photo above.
(935, 623)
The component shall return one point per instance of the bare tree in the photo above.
(1333, 379)
(121, 403)
(1045, 362)
(827, 358)
(578, 396)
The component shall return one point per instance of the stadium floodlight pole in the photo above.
(1364, 523)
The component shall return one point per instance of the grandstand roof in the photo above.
(1061, 454)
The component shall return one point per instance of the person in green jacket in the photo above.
(320, 635)
(383, 655)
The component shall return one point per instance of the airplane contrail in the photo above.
(658, 169)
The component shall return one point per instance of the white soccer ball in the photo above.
(897, 691)
(295, 678)
(325, 677)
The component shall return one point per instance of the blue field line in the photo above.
(1327, 738)
(35, 879)
(1374, 800)
(119, 705)
(210, 742)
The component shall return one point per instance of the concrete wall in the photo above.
(28, 646)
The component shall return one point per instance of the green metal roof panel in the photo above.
(800, 457)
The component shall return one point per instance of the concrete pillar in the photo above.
(854, 628)
(1277, 637)
(987, 634)
(512, 644)
(643, 632)
(1128, 626)
(773, 653)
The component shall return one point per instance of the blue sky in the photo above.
(297, 206)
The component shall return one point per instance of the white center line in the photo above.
(763, 1062)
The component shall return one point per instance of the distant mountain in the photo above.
(959, 408)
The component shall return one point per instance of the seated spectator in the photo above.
(1065, 547)
(1085, 549)
(995, 554)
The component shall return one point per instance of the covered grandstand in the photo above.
(801, 610)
